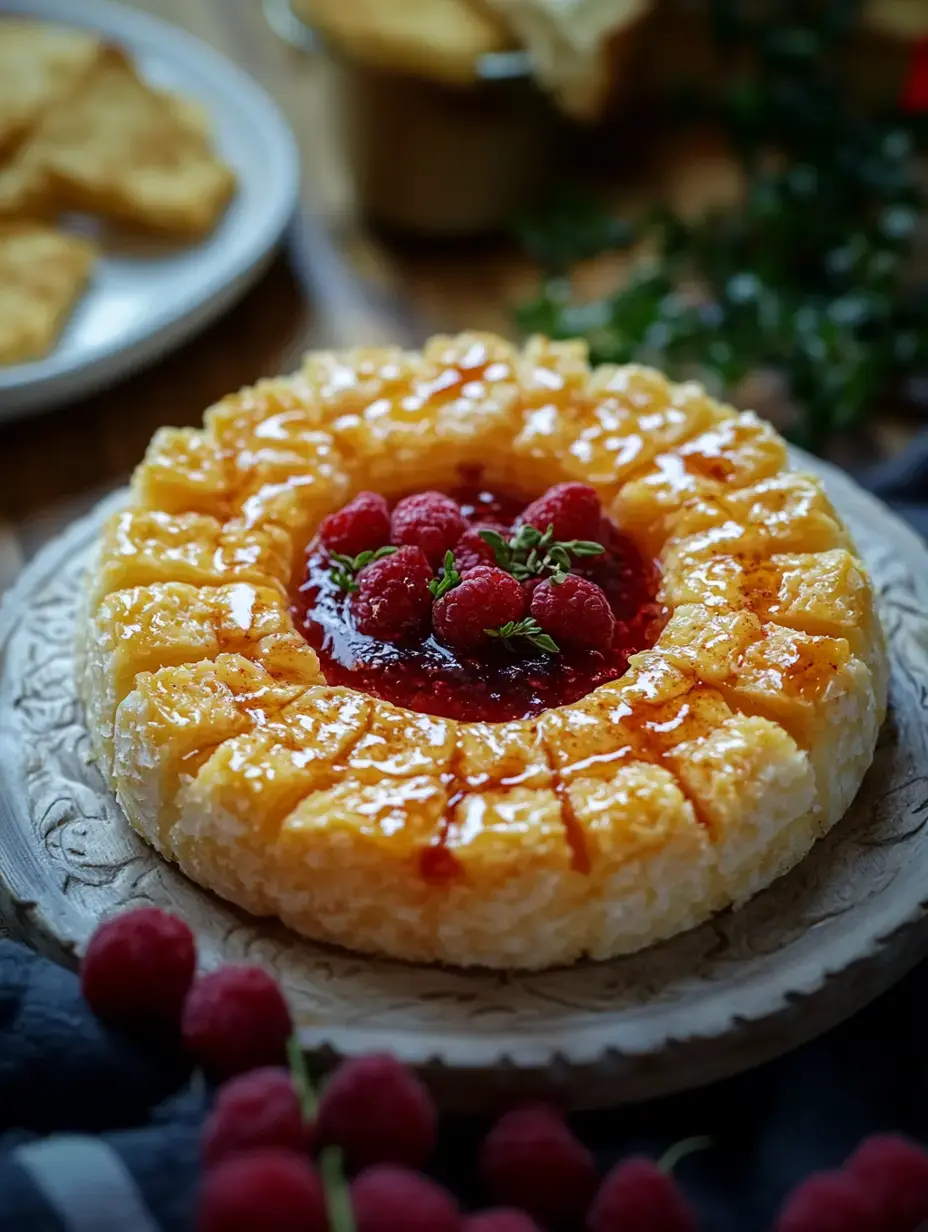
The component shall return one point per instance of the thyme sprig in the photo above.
(448, 579)
(530, 630)
(530, 552)
(343, 571)
(331, 1165)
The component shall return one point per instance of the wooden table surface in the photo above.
(331, 284)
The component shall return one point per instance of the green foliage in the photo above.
(804, 276)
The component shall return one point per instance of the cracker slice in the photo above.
(120, 149)
(42, 273)
(39, 63)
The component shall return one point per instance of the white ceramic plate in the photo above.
(146, 297)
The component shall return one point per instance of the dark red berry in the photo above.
(393, 600)
(637, 1194)
(257, 1109)
(575, 612)
(532, 1160)
(139, 967)
(236, 1019)
(430, 521)
(830, 1202)
(388, 1199)
(377, 1111)
(487, 598)
(573, 510)
(502, 1220)
(362, 525)
(270, 1190)
(894, 1170)
(471, 551)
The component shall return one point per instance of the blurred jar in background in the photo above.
(446, 130)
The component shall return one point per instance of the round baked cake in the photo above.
(479, 655)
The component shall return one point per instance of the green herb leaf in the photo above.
(583, 547)
(344, 580)
(302, 1082)
(448, 580)
(337, 1193)
(499, 545)
(543, 642)
(527, 628)
(350, 565)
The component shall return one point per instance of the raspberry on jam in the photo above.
(394, 638)
(430, 521)
(571, 508)
(393, 600)
(486, 599)
(363, 525)
(575, 612)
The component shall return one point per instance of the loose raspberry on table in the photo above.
(830, 1202)
(532, 1160)
(894, 1170)
(470, 551)
(389, 1199)
(638, 1194)
(377, 1111)
(575, 612)
(393, 599)
(502, 1220)
(236, 1019)
(573, 509)
(256, 1109)
(270, 1190)
(430, 521)
(361, 526)
(139, 967)
(487, 598)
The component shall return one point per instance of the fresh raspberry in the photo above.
(236, 1019)
(471, 551)
(393, 600)
(532, 1160)
(362, 525)
(257, 1109)
(830, 1202)
(377, 1111)
(500, 1221)
(139, 967)
(276, 1191)
(430, 521)
(575, 612)
(571, 508)
(487, 598)
(388, 1199)
(637, 1194)
(894, 1170)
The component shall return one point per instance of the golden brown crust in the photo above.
(705, 772)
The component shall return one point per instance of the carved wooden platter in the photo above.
(804, 954)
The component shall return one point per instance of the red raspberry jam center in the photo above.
(494, 684)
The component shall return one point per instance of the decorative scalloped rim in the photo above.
(798, 958)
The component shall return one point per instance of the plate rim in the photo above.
(40, 385)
